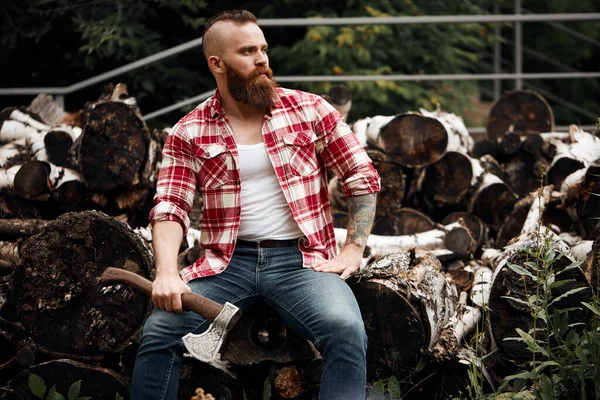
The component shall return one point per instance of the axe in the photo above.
(205, 346)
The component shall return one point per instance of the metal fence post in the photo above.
(518, 48)
(497, 54)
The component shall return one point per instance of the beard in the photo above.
(253, 89)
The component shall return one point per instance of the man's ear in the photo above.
(215, 64)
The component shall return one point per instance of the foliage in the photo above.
(38, 388)
(564, 354)
(72, 40)
(389, 390)
(386, 50)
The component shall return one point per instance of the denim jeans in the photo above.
(318, 306)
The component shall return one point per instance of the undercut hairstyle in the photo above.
(239, 17)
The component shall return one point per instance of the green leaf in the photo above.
(54, 395)
(74, 390)
(546, 388)
(377, 391)
(592, 307)
(37, 386)
(520, 270)
(393, 388)
(267, 390)
(567, 293)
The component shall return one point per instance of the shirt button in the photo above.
(207, 154)
(222, 268)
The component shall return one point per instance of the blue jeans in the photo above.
(318, 306)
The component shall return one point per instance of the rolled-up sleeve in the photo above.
(176, 183)
(341, 152)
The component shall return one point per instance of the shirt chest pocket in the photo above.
(213, 160)
(301, 152)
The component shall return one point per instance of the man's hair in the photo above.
(237, 16)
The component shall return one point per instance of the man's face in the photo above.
(257, 88)
(249, 78)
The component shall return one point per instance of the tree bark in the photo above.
(519, 111)
(58, 290)
(405, 306)
(507, 314)
(113, 147)
(413, 140)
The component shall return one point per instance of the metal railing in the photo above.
(518, 76)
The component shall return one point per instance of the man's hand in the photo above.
(345, 264)
(166, 292)
(361, 211)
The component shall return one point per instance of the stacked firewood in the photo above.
(434, 264)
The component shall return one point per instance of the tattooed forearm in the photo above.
(361, 212)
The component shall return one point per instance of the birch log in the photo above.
(508, 313)
(14, 153)
(405, 306)
(519, 111)
(579, 151)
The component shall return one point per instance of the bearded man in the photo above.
(259, 154)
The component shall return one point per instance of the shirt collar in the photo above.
(216, 109)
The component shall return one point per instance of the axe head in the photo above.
(206, 346)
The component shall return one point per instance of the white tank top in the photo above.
(265, 211)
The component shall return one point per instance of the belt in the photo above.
(267, 243)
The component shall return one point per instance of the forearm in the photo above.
(361, 213)
(166, 240)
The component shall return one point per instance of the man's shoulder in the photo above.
(198, 115)
(294, 97)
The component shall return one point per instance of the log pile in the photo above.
(74, 188)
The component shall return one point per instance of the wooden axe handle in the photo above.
(190, 301)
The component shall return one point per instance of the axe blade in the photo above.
(206, 346)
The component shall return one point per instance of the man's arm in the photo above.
(168, 286)
(361, 212)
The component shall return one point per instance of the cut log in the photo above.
(367, 129)
(12, 206)
(14, 153)
(389, 199)
(508, 312)
(61, 303)
(378, 244)
(97, 383)
(405, 306)
(11, 229)
(493, 201)
(509, 144)
(413, 140)
(475, 225)
(49, 110)
(582, 150)
(7, 177)
(445, 184)
(519, 111)
(404, 221)
(459, 138)
(32, 180)
(260, 335)
(195, 374)
(582, 194)
(112, 149)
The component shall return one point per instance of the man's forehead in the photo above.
(239, 34)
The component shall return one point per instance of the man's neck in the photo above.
(238, 110)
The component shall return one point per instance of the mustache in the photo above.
(261, 70)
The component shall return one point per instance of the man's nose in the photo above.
(262, 58)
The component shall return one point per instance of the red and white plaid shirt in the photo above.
(303, 135)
